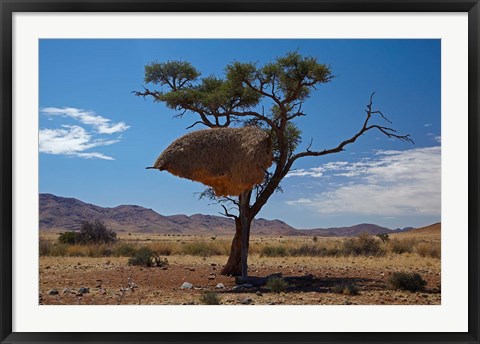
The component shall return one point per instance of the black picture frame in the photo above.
(9, 7)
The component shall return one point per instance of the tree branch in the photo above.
(389, 132)
(226, 213)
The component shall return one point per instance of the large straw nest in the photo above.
(230, 160)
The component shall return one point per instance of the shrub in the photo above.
(68, 238)
(146, 257)
(96, 232)
(315, 239)
(384, 237)
(428, 249)
(201, 249)
(274, 251)
(346, 289)
(364, 244)
(209, 298)
(125, 250)
(58, 250)
(401, 246)
(276, 284)
(308, 250)
(44, 247)
(407, 281)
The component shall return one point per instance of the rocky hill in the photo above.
(61, 213)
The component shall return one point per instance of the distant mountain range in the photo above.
(61, 214)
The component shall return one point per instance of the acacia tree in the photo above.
(269, 97)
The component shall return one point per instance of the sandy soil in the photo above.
(112, 281)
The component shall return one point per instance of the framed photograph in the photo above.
(239, 172)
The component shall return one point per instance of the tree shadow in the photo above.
(304, 283)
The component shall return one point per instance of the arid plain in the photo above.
(301, 270)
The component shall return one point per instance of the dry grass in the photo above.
(168, 245)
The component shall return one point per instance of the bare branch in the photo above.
(389, 132)
(194, 124)
(226, 213)
(383, 116)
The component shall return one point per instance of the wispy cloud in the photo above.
(75, 140)
(101, 124)
(427, 124)
(391, 183)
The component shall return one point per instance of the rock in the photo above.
(246, 301)
(191, 269)
(83, 290)
(66, 290)
(258, 293)
(211, 277)
(186, 285)
(220, 286)
(53, 292)
(102, 291)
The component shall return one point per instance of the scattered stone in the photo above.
(83, 290)
(186, 285)
(66, 290)
(213, 264)
(164, 268)
(211, 277)
(191, 269)
(258, 293)
(53, 292)
(246, 301)
(220, 286)
(102, 291)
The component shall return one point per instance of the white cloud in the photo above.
(76, 140)
(71, 140)
(391, 183)
(427, 124)
(101, 124)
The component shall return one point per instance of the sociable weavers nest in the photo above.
(230, 160)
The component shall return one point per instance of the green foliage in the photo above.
(274, 251)
(209, 298)
(346, 289)
(276, 284)
(384, 237)
(363, 245)
(95, 232)
(175, 74)
(69, 238)
(407, 281)
(146, 257)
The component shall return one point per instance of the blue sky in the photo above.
(96, 137)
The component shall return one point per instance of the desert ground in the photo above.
(313, 271)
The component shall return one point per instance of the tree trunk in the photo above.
(236, 266)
